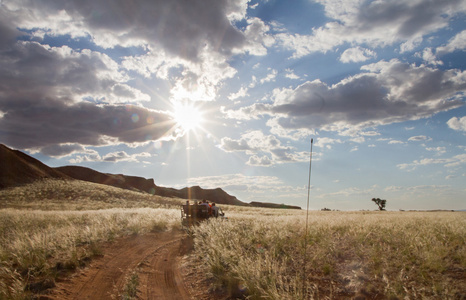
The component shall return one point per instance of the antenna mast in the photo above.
(307, 221)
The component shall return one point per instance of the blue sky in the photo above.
(229, 94)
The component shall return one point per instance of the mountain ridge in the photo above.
(18, 168)
(148, 186)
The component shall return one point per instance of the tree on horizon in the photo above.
(380, 203)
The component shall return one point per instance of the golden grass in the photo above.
(53, 194)
(34, 245)
(56, 225)
(415, 255)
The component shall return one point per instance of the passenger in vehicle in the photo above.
(215, 210)
(206, 203)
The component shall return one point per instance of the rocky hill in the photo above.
(18, 168)
(215, 195)
(147, 185)
(116, 180)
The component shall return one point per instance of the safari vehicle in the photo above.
(196, 213)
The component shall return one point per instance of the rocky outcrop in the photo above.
(213, 195)
(18, 168)
(147, 185)
(116, 180)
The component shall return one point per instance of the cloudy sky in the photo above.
(225, 93)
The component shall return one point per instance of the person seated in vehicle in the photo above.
(207, 210)
(215, 210)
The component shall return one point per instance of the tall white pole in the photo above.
(307, 221)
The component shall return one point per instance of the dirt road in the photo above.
(155, 258)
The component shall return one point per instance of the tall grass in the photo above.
(34, 245)
(53, 194)
(378, 254)
(55, 225)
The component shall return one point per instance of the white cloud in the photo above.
(113, 157)
(357, 54)
(358, 139)
(263, 150)
(178, 29)
(237, 182)
(90, 157)
(243, 92)
(65, 74)
(78, 97)
(62, 150)
(458, 124)
(262, 161)
(257, 39)
(254, 6)
(200, 81)
(447, 162)
(257, 188)
(244, 113)
(410, 44)
(253, 82)
(458, 42)
(429, 57)
(376, 23)
(151, 63)
(196, 39)
(388, 92)
(290, 74)
(123, 156)
(395, 142)
(438, 150)
(270, 76)
(369, 133)
(326, 142)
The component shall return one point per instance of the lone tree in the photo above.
(380, 203)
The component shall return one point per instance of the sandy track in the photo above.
(154, 256)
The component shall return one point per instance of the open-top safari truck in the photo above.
(196, 213)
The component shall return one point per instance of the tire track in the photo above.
(154, 256)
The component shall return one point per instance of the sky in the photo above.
(229, 94)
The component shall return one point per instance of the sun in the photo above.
(187, 117)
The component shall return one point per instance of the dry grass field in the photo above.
(53, 227)
(371, 255)
(55, 194)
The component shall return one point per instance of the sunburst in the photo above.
(187, 117)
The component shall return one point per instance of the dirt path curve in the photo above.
(155, 257)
